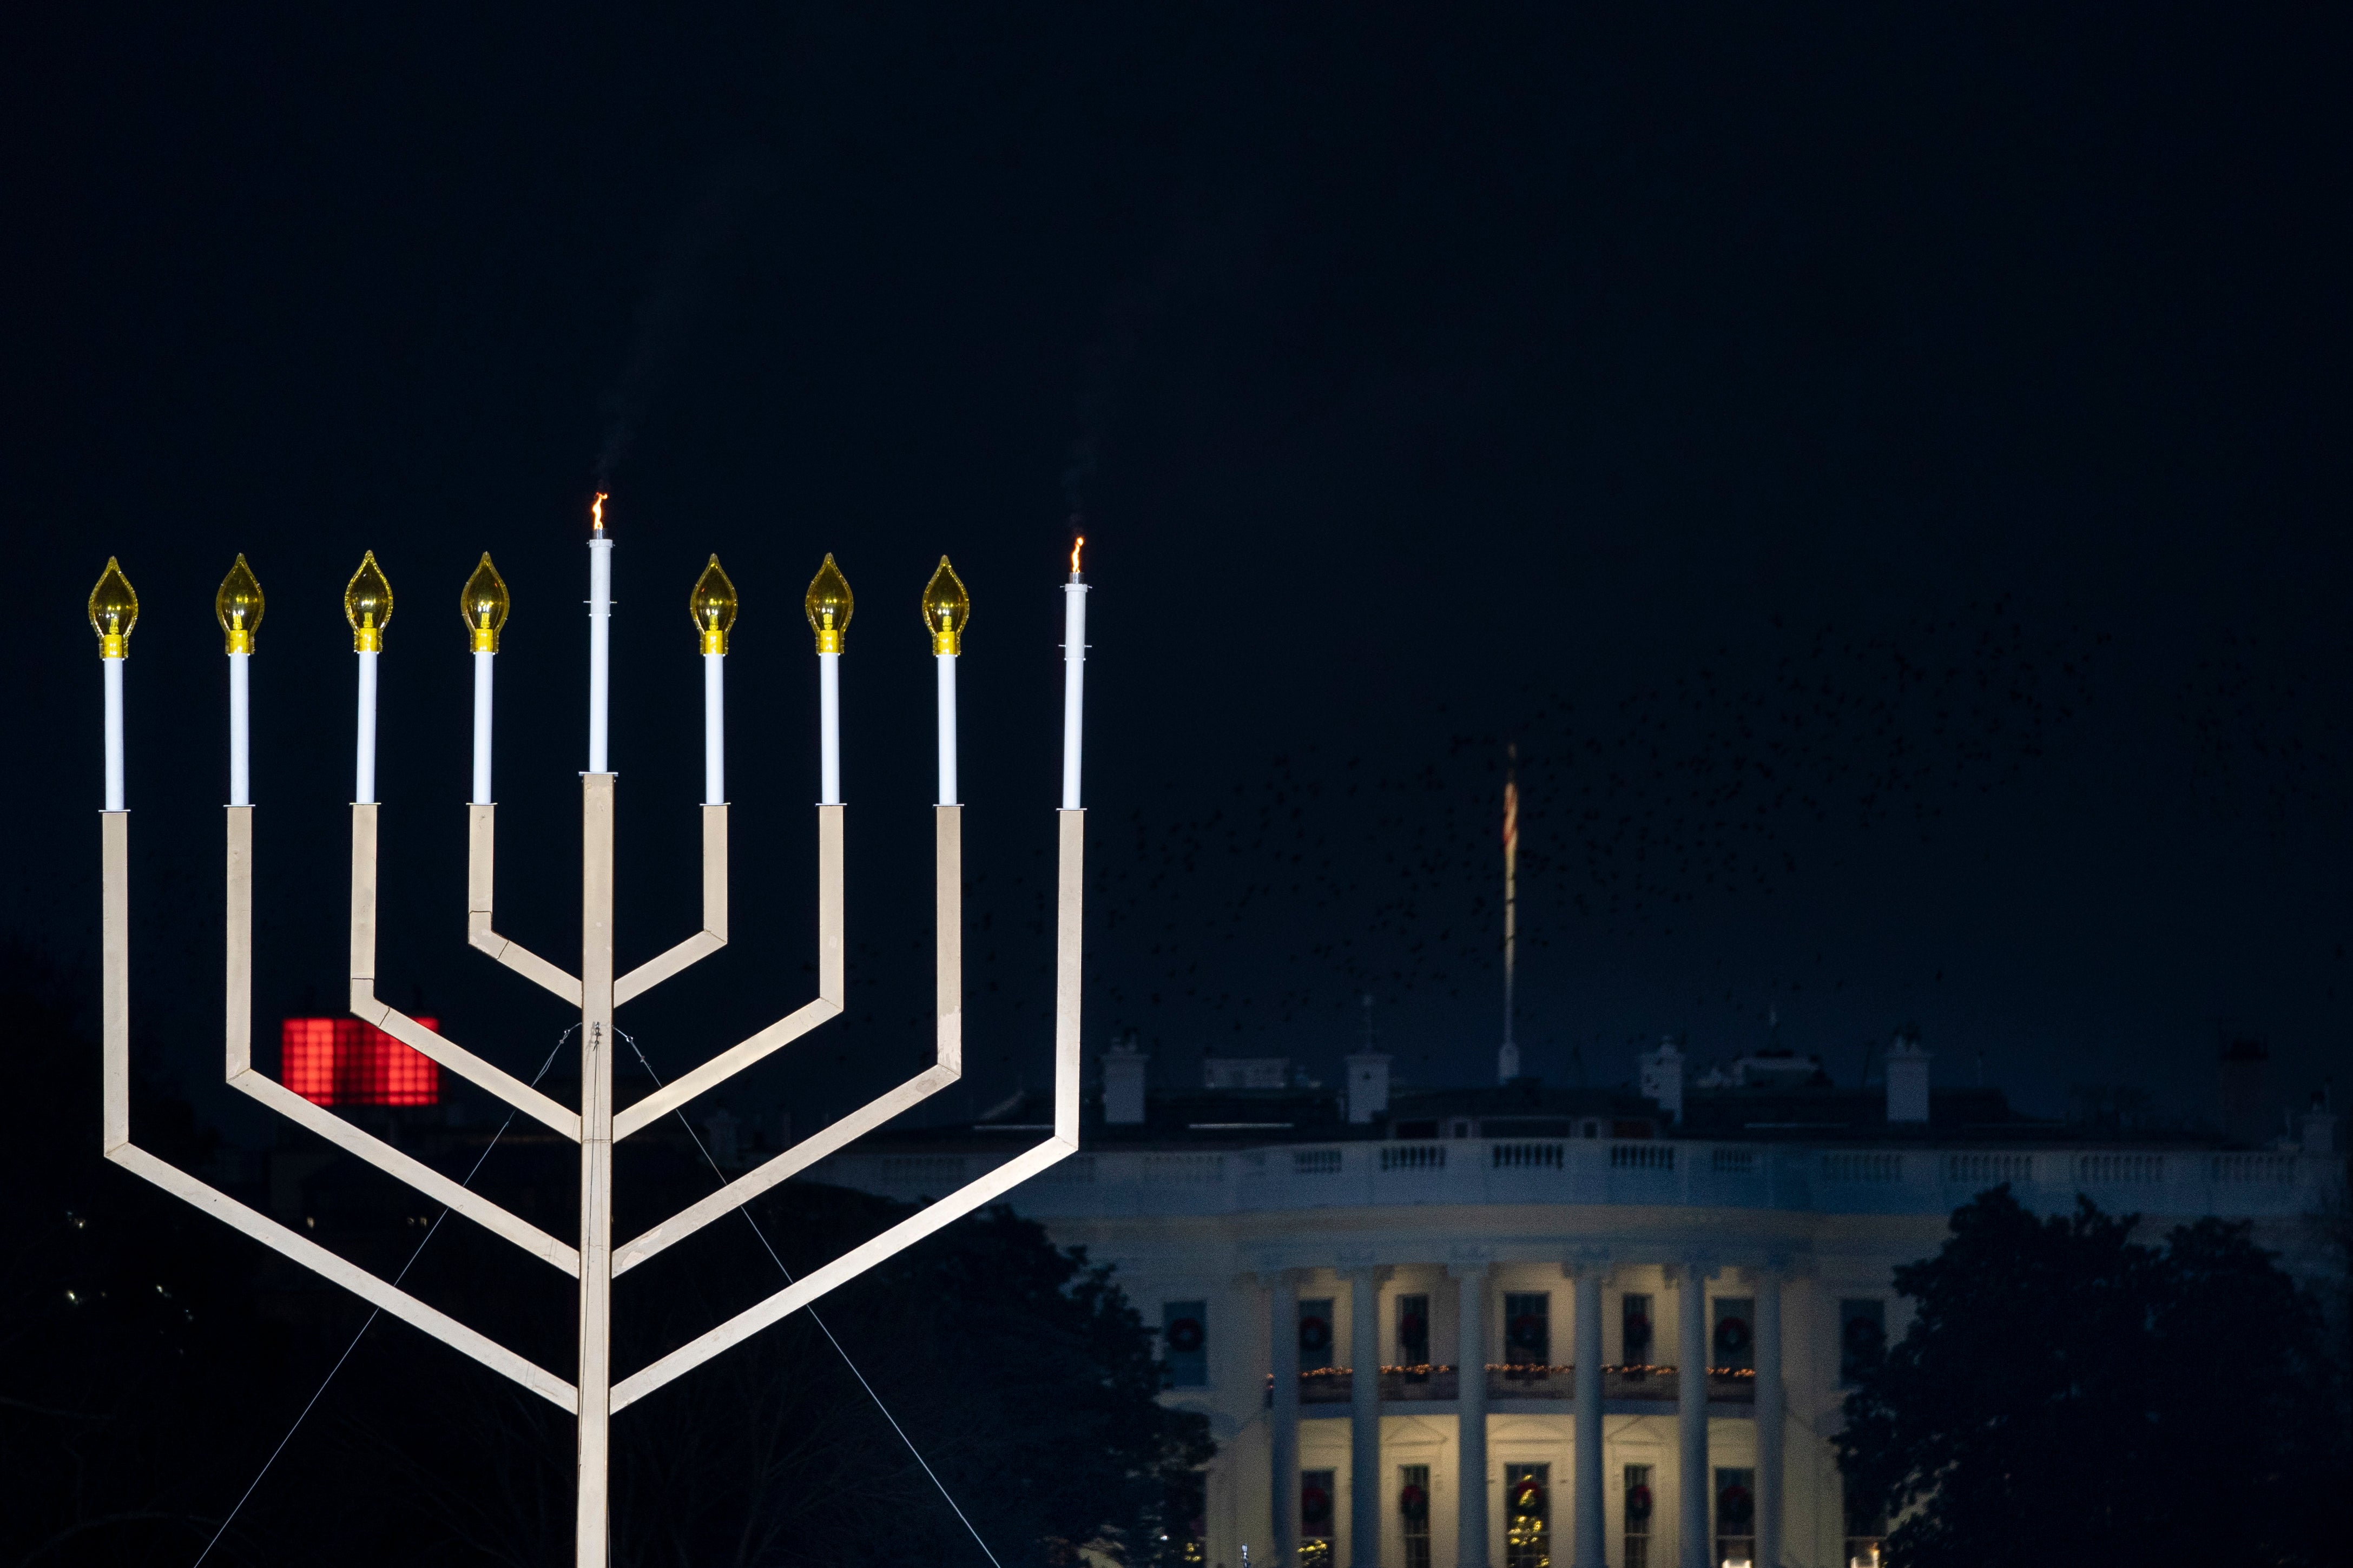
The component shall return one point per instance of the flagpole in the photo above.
(1507, 1060)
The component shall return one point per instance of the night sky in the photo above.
(1884, 469)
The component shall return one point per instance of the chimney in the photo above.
(1663, 1076)
(2319, 1125)
(1123, 1085)
(2243, 1116)
(1368, 1086)
(1908, 1079)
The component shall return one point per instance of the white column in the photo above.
(1365, 1416)
(240, 730)
(483, 678)
(1692, 1483)
(363, 773)
(1471, 1400)
(600, 647)
(828, 712)
(113, 733)
(1282, 1426)
(948, 714)
(1589, 1553)
(1771, 1408)
(714, 728)
(1074, 682)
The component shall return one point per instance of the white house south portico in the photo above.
(1519, 1327)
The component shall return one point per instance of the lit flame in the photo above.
(1076, 545)
(596, 512)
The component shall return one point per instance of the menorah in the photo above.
(593, 1397)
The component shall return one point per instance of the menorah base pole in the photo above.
(594, 1511)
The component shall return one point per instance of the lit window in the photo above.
(1316, 1334)
(1634, 1329)
(1734, 1345)
(1527, 1516)
(1184, 1331)
(1863, 1335)
(1413, 1510)
(1638, 1507)
(1315, 1518)
(1736, 1517)
(1527, 1335)
(1413, 1337)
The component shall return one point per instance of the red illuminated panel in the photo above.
(341, 1061)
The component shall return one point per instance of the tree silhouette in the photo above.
(2067, 1394)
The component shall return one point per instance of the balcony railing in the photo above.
(1514, 1380)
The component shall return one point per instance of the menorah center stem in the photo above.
(596, 1043)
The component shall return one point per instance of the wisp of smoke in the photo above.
(665, 317)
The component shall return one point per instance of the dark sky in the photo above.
(1884, 469)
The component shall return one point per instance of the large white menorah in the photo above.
(593, 1397)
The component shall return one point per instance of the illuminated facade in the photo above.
(1665, 1296)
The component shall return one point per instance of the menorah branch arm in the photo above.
(242, 1075)
(454, 1195)
(1070, 930)
(782, 1168)
(350, 1276)
(482, 857)
(115, 992)
(785, 1030)
(365, 1007)
(947, 908)
(841, 1270)
(713, 934)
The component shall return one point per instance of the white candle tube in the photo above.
(600, 647)
(714, 728)
(947, 663)
(241, 731)
(113, 733)
(363, 781)
(483, 682)
(829, 710)
(1074, 681)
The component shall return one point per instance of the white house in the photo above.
(1499, 1328)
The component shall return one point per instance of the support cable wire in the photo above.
(374, 1312)
(745, 1209)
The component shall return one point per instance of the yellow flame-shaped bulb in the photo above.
(237, 604)
(113, 611)
(484, 603)
(712, 606)
(367, 604)
(946, 609)
(829, 604)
